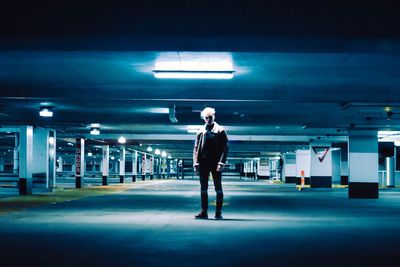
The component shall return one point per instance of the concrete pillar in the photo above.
(144, 166)
(289, 168)
(80, 163)
(134, 166)
(60, 161)
(363, 164)
(151, 167)
(16, 152)
(105, 164)
(390, 173)
(122, 165)
(303, 164)
(344, 164)
(26, 158)
(320, 165)
(336, 177)
(44, 150)
(2, 163)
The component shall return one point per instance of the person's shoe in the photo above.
(201, 215)
(218, 216)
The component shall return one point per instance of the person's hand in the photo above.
(220, 167)
(196, 168)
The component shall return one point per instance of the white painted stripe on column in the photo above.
(363, 167)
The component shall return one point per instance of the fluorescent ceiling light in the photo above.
(122, 140)
(163, 154)
(183, 74)
(157, 151)
(46, 112)
(95, 131)
(149, 149)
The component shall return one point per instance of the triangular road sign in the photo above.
(321, 151)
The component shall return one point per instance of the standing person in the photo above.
(209, 155)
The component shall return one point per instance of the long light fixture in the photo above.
(193, 74)
(94, 131)
(46, 111)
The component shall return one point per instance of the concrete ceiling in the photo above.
(302, 70)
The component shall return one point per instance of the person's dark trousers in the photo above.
(205, 168)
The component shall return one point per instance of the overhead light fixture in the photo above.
(149, 149)
(122, 140)
(169, 157)
(94, 131)
(90, 154)
(46, 111)
(193, 74)
(163, 154)
(157, 151)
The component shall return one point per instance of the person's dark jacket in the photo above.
(222, 144)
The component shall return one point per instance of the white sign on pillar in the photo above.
(144, 164)
(105, 160)
(122, 162)
(80, 157)
(151, 165)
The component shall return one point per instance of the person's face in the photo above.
(209, 120)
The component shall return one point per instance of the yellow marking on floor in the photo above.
(214, 203)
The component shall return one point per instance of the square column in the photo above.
(43, 165)
(289, 168)
(25, 160)
(105, 165)
(80, 163)
(303, 165)
(122, 165)
(363, 164)
(320, 165)
(134, 166)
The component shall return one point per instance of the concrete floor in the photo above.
(152, 225)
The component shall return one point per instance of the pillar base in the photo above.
(344, 180)
(121, 179)
(321, 182)
(306, 181)
(363, 190)
(290, 180)
(78, 182)
(133, 178)
(25, 186)
(105, 180)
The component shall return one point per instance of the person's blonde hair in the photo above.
(207, 112)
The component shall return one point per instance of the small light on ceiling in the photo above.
(149, 149)
(122, 140)
(94, 131)
(163, 154)
(90, 154)
(157, 151)
(46, 111)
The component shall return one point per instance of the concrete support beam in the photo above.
(25, 160)
(363, 164)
